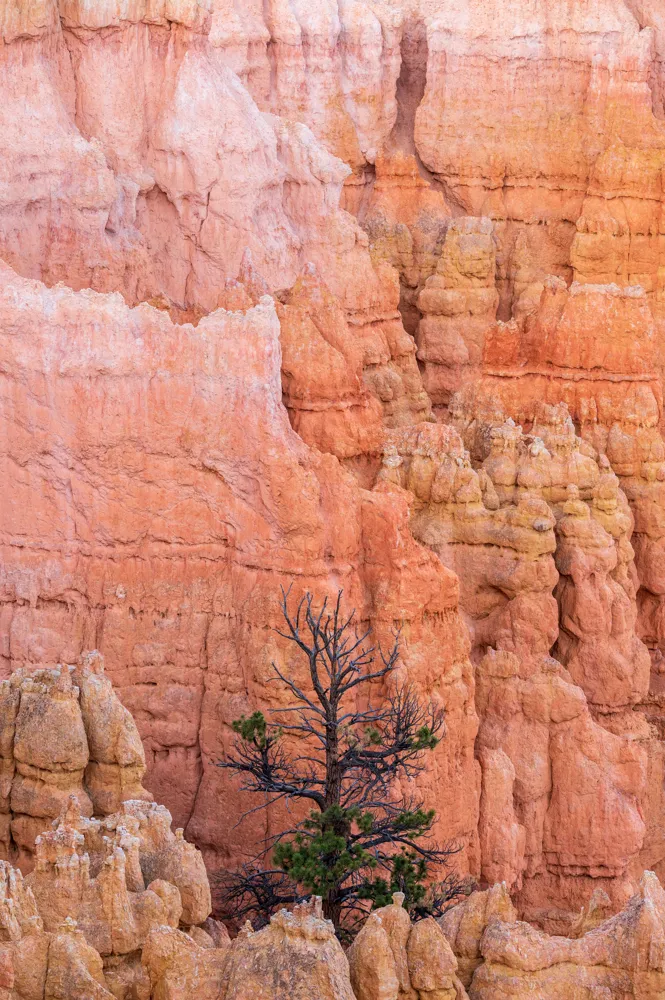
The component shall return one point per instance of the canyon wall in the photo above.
(111, 903)
(360, 295)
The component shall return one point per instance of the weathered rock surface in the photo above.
(75, 927)
(458, 305)
(620, 957)
(118, 906)
(169, 478)
(64, 734)
(392, 958)
(252, 400)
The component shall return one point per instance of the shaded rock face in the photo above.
(215, 381)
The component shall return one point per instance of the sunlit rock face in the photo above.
(105, 869)
(64, 734)
(498, 955)
(198, 501)
(340, 294)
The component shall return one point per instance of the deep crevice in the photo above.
(411, 85)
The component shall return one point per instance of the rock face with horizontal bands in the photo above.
(447, 400)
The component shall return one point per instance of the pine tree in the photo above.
(362, 839)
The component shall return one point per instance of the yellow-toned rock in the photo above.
(432, 965)
(64, 733)
(297, 957)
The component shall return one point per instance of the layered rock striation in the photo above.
(444, 397)
(208, 501)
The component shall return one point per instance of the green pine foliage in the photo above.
(358, 843)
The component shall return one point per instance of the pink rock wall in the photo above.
(239, 384)
(175, 499)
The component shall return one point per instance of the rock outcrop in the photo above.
(167, 477)
(64, 734)
(100, 885)
(458, 305)
(617, 957)
(117, 905)
(340, 294)
(477, 950)
(392, 958)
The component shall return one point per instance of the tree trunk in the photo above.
(332, 910)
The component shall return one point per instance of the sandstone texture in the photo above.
(617, 957)
(65, 735)
(330, 294)
(117, 906)
(102, 882)
(390, 957)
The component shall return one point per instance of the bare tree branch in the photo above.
(347, 761)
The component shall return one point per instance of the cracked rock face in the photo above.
(615, 957)
(362, 295)
(65, 735)
(98, 885)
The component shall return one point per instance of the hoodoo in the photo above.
(310, 296)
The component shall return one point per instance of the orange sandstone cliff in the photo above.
(116, 905)
(343, 294)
